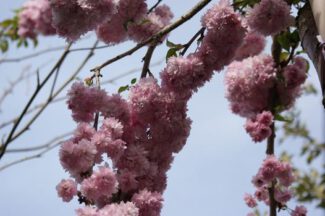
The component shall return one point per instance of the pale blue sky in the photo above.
(208, 178)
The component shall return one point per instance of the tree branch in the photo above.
(147, 60)
(31, 121)
(159, 35)
(37, 90)
(188, 44)
(48, 147)
(154, 6)
(55, 100)
(39, 147)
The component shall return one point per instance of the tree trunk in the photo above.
(316, 51)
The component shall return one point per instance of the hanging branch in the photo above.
(156, 37)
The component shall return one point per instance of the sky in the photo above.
(208, 177)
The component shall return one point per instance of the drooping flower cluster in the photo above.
(253, 83)
(35, 18)
(141, 135)
(248, 84)
(270, 17)
(271, 172)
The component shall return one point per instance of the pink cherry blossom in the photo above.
(269, 17)
(67, 189)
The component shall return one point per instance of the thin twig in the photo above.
(154, 6)
(147, 60)
(156, 37)
(12, 60)
(188, 44)
(49, 147)
(13, 84)
(55, 100)
(36, 92)
(39, 147)
(97, 76)
(30, 122)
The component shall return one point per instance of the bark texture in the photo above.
(316, 51)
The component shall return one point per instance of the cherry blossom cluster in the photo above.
(280, 175)
(254, 83)
(141, 134)
(113, 21)
(35, 18)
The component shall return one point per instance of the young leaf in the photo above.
(281, 118)
(123, 88)
(133, 81)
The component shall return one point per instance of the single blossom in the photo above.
(67, 189)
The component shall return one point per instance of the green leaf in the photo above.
(284, 56)
(284, 42)
(171, 52)
(123, 88)
(4, 45)
(133, 81)
(281, 118)
(294, 37)
(6, 23)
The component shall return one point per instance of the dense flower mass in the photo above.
(84, 102)
(248, 84)
(252, 45)
(141, 135)
(224, 28)
(35, 17)
(100, 185)
(148, 203)
(72, 19)
(269, 17)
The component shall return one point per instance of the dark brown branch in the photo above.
(97, 76)
(159, 35)
(308, 34)
(147, 60)
(36, 92)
